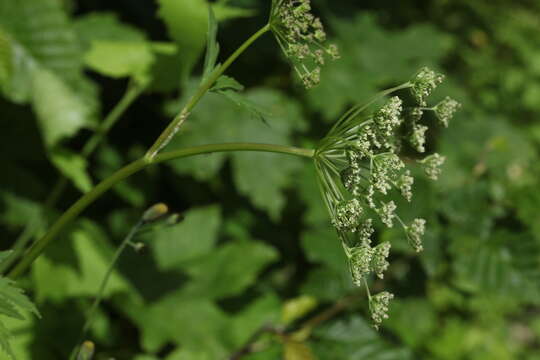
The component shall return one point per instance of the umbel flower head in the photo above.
(301, 37)
(359, 169)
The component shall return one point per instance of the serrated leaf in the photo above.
(212, 46)
(106, 26)
(354, 339)
(60, 112)
(366, 64)
(187, 24)
(58, 281)
(73, 166)
(51, 80)
(322, 246)
(192, 238)
(120, 59)
(262, 311)
(234, 124)
(227, 271)
(12, 303)
(195, 324)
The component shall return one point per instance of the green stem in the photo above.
(132, 93)
(102, 286)
(173, 127)
(70, 214)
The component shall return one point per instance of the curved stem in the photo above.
(101, 291)
(177, 122)
(70, 214)
(132, 93)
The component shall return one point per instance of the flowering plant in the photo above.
(358, 165)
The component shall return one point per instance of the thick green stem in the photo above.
(132, 93)
(173, 127)
(69, 215)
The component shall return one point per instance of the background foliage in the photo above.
(256, 246)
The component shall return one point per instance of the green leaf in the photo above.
(12, 303)
(55, 281)
(191, 239)
(296, 308)
(120, 59)
(414, 320)
(354, 339)
(227, 271)
(322, 246)
(51, 80)
(106, 26)
(186, 24)
(373, 60)
(196, 324)
(4, 255)
(212, 46)
(73, 166)
(262, 311)
(5, 59)
(61, 113)
(234, 124)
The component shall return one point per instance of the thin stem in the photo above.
(102, 286)
(173, 127)
(132, 93)
(70, 214)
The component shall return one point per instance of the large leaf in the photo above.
(192, 238)
(228, 270)
(57, 281)
(46, 70)
(218, 120)
(373, 60)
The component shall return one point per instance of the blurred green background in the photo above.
(256, 246)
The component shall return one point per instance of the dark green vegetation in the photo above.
(256, 249)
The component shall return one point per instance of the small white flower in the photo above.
(415, 232)
(386, 212)
(378, 261)
(360, 262)
(432, 165)
(405, 185)
(348, 215)
(387, 117)
(423, 84)
(365, 231)
(378, 306)
(446, 109)
(418, 137)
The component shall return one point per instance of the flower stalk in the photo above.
(87, 199)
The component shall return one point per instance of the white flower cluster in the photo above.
(380, 254)
(378, 306)
(415, 231)
(423, 84)
(446, 109)
(418, 137)
(432, 165)
(388, 118)
(301, 36)
(359, 168)
(348, 215)
(405, 184)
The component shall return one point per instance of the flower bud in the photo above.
(155, 212)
